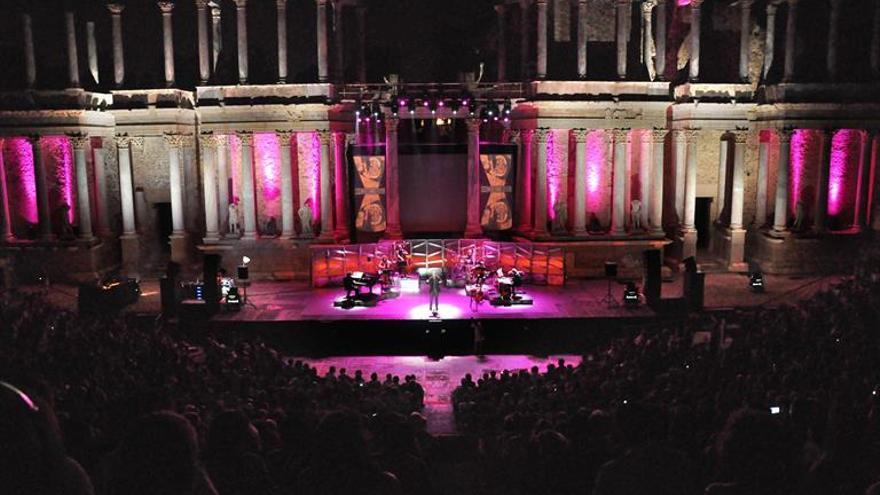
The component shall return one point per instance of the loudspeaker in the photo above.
(211, 266)
(168, 296)
(611, 269)
(243, 272)
(172, 269)
(690, 264)
(695, 297)
(652, 276)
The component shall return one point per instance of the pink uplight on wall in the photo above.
(21, 181)
(268, 170)
(60, 175)
(799, 153)
(554, 173)
(310, 168)
(843, 174)
(595, 153)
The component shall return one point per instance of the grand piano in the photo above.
(353, 283)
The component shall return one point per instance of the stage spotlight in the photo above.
(491, 109)
(245, 260)
(394, 108)
(507, 108)
(455, 106)
(432, 106)
(631, 295)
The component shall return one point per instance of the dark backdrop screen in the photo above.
(433, 189)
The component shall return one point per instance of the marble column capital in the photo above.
(648, 7)
(240, 4)
(740, 136)
(745, 4)
(34, 139)
(691, 135)
(321, 3)
(284, 136)
(658, 136)
(246, 137)
(207, 140)
(515, 136)
(281, 4)
(784, 135)
(541, 134)
(174, 140)
(580, 135)
(696, 4)
(123, 141)
(620, 135)
(221, 139)
(582, 2)
(166, 7)
(78, 140)
(201, 4)
(541, 2)
(324, 135)
(115, 8)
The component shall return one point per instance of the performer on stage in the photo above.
(434, 282)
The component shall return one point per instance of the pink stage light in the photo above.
(60, 176)
(799, 153)
(21, 179)
(595, 162)
(842, 178)
(268, 163)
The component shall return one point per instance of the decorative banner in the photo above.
(369, 192)
(496, 191)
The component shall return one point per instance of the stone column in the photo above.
(658, 138)
(118, 57)
(208, 145)
(875, 43)
(248, 201)
(473, 228)
(341, 186)
(281, 15)
(79, 143)
(322, 40)
(223, 180)
(660, 40)
(737, 189)
(745, 35)
(723, 154)
(204, 60)
(524, 41)
(241, 39)
(30, 64)
(216, 35)
(680, 155)
(770, 37)
(524, 177)
(502, 43)
(689, 230)
(392, 189)
(761, 200)
(820, 219)
(623, 11)
(102, 214)
(780, 210)
(790, 40)
(287, 210)
(129, 239)
(541, 53)
(863, 200)
(648, 37)
(580, 182)
(362, 42)
(8, 236)
(582, 39)
(618, 206)
(338, 40)
(540, 228)
(694, 66)
(167, 41)
(92, 51)
(72, 56)
(175, 180)
(326, 234)
(833, 38)
(43, 211)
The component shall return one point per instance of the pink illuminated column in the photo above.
(287, 221)
(249, 205)
(321, 19)
(658, 138)
(864, 190)
(618, 206)
(80, 142)
(45, 214)
(208, 145)
(783, 173)
(473, 229)
(540, 203)
(327, 169)
(524, 179)
(580, 182)
(392, 181)
(341, 183)
(820, 219)
(8, 236)
(167, 41)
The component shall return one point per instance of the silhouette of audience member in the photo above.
(159, 455)
(232, 456)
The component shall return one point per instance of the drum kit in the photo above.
(505, 284)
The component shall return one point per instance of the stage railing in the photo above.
(541, 265)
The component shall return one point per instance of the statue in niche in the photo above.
(594, 225)
(233, 225)
(305, 218)
(271, 227)
(560, 218)
(799, 217)
(636, 214)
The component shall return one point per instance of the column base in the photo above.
(131, 254)
(249, 236)
(734, 249)
(688, 240)
(179, 242)
(581, 232)
(211, 238)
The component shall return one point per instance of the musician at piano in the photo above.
(351, 290)
(401, 258)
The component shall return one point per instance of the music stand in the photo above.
(610, 272)
(244, 280)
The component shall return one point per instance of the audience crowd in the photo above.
(763, 400)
